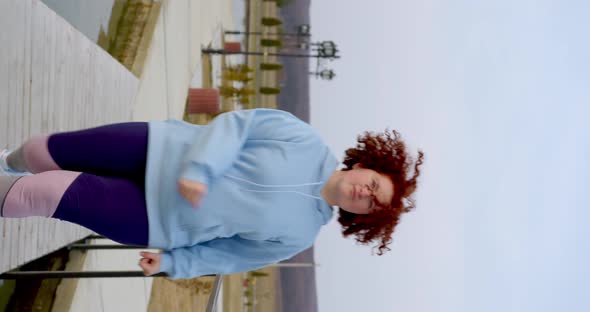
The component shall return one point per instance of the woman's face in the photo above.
(360, 190)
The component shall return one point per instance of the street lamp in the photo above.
(325, 74)
(304, 30)
(326, 49)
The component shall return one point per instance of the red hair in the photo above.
(385, 153)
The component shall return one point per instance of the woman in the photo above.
(251, 188)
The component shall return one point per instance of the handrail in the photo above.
(73, 274)
(28, 275)
(109, 246)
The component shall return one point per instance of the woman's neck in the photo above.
(328, 192)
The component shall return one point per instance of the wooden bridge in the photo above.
(52, 78)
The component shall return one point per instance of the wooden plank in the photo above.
(52, 79)
(12, 82)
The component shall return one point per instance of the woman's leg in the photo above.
(112, 150)
(111, 206)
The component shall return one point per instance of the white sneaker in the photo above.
(4, 169)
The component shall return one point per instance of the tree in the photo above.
(271, 66)
(244, 100)
(271, 21)
(270, 90)
(227, 91)
(231, 91)
(245, 92)
(241, 68)
(240, 72)
(237, 76)
(271, 43)
(280, 3)
(258, 273)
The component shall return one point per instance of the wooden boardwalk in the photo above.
(52, 78)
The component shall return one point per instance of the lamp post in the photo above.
(324, 50)
(302, 31)
(325, 74)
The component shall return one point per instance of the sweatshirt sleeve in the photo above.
(220, 142)
(223, 256)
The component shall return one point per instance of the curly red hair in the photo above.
(385, 153)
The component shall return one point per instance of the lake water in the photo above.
(88, 16)
(92, 16)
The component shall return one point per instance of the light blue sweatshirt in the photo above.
(264, 170)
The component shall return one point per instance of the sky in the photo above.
(496, 93)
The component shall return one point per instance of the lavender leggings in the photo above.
(108, 197)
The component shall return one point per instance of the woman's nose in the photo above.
(365, 191)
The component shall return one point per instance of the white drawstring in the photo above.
(263, 185)
(285, 185)
(296, 192)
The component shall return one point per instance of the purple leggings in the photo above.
(108, 197)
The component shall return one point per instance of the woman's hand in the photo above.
(149, 263)
(192, 191)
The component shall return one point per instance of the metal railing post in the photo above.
(214, 296)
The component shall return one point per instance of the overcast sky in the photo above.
(497, 95)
